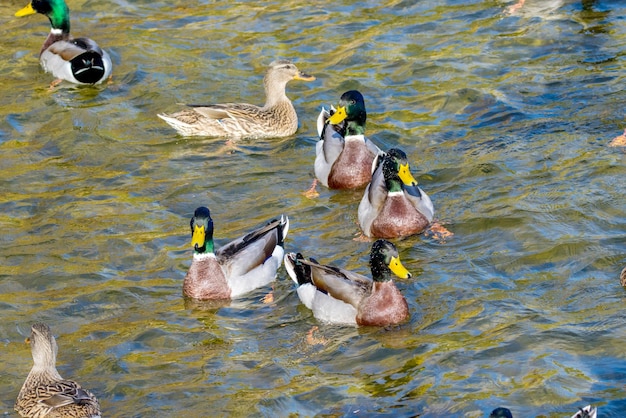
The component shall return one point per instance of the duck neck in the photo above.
(354, 128)
(274, 92)
(380, 272)
(59, 17)
(50, 373)
(207, 249)
(393, 185)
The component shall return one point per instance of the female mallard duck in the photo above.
(77, 60)
(238, 267)
(343, 155)
(45, 392)
(393, 205)
(622, 277)
(341, 296)
(277, 118)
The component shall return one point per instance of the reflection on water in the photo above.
(506, 120)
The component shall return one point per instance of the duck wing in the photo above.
(70, 49)
(376, 191)
(253, 249)
(420, 201)
(239, 111)
(339, 283)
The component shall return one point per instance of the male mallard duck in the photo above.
(586, 412)
(393, 205)
(277, 118)
(78, 60)
(341, 296)
(501, 413)
(344, 155)
(238, 267)
(45, 392)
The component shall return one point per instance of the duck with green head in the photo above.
(341, 296)
(77, 60)
(344, 155)
(45, 393)
(238, 267)
(393, 205)
(277, 118)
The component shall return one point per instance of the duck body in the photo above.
(240, 266)
(344, 156)
(45, 393)
(586, 412)
(77, 60)
(277, 118)
(501, 412)
(393, 205)
(340, 296)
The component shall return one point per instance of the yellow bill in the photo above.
(405, 175)
(398, 269)
(28, 10)
(304, 77)
(198, 236)
(339, 116)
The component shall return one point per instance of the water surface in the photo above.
(506, 120)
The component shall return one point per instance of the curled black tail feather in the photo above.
(302, 271)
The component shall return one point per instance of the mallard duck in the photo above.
(622, 277)
(393, 205)
(77, 60)
(340, 296)
(501, 413)
(586, 412)
(45, 392)
(277, 118)
(238, 267)
(344, 156)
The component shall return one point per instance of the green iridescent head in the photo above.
(202, 231)
(385, 262)
(396, 170)
(351, 109)
(56, 10)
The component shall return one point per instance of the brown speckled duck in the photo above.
(277, 118)
(45, 393)
(393, 205)
(240, 266)
(340, 296)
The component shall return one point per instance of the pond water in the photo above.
(506, 120)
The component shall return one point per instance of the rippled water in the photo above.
(506, 120)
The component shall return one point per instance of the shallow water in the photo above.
(506, 120)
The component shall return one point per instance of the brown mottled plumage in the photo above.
(277, 118)
(393, 205)
(622, 277)
(340, 296)
(45, 393)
